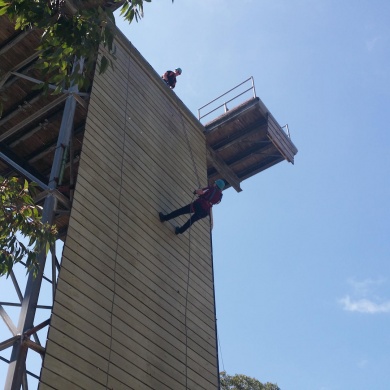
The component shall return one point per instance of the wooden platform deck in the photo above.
(245, 141)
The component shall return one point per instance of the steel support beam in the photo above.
(23, 171)
(223, 168)
(17, 365)
(7, 320)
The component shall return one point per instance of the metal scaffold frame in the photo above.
(28, 302)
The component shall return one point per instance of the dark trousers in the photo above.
(198, 213)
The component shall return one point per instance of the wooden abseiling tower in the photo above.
(133, 304)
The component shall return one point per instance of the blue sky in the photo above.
(302, 254)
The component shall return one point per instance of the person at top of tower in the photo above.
(170, 77)
(200, 208)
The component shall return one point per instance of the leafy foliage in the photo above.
(243, 382)
(19, 215)
(70, 33)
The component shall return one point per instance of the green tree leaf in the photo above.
(20, 217)
(243, 382)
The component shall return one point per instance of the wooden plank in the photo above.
(192, 318)
(71, 377)
(120, 379)
(81, 318)
(80, 222)
(89, 241)
(88, 363)
(113, 383)
(152, 336)
(95, 220)
(91, 176)
(57, 381)
(94, 263)
(197, 284)
(85, 261)
(148, 296)
(74, 294)
(78, 278)
(150, 351)
(148, 280)
(83, 341)
(199, 381)
(120, 311)
(150, 371)
(103, 163)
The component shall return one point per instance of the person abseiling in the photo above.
(170, 77)
(200, 208)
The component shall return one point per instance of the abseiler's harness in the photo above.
(206, 201)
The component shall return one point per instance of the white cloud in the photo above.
(364, 305)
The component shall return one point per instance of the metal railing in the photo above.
(286, 130)
(224, 104)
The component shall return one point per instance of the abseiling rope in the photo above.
(189, 267)
(189, 148)
(117, 232)
(217, 341)
(189, 245)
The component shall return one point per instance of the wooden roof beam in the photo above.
(31, 118)
(268, 152)
(223, 168)
(265, 148)
(257, 168)
(253, 169)
(22, 103)
(19, 37)
(239, 136)
(44, 151)
(46, 122)
(16, 68)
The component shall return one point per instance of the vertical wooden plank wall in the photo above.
(120, 319)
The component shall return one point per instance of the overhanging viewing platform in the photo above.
(244, 141)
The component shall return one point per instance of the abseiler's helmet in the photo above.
(178, 70)
(220, 184)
